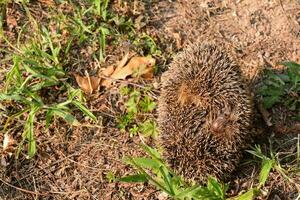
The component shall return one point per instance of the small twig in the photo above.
(34, 184)
(24, 190)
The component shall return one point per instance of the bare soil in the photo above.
(73, 162)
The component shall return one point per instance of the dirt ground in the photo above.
(73, 162)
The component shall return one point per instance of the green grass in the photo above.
(36, 69)
(40, 58)
(38, 65)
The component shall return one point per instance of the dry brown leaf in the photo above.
(11, 21)
(88, 84)
(8, 143)
(148, 73)
(107, 71)
(122, 63)
(137, 66)
(142, 65)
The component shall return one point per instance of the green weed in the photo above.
(267, 164)
(272, 162)
(282, 88)
(100, 7)
(147, 44)
(133, 120)
(153, 170)
(110, 177)
(40, 60)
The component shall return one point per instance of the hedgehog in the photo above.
(205, 112)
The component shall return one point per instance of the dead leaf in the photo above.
(88, 84)
(135, 64)
(11, 21)
(107, 71)
(122, 63)
(8, 143)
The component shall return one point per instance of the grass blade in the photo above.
(28, 131)
(137, 178)
(267, 165)
(83, 109)
(249, 195)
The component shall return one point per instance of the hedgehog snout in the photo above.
(223, 121)
(219, 124)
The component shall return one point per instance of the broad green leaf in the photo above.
(147, 163)
(134, 178)
(14, 75)
(34, 96)
(31, 148)
(73, 93)
(152, 152)
(167, 179)
(269, 101)
(43, 84)
(291, 64)
(12, 97)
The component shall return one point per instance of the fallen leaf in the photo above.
(8, 143)
(122, 63)
(88, 84)
(107, 71)
(11, 21)
(135, 64)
